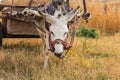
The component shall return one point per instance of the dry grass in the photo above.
(22, 59)
(107, 22)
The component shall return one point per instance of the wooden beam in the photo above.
(16, 6)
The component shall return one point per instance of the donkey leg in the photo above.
(45, 66)
(42, 35)
(43, 44)
(47, 53)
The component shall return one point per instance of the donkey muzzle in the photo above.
(58, 54)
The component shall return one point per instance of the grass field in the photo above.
(89, 59)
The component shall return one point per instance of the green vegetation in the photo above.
(87, 32)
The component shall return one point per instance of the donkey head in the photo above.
(58, 30)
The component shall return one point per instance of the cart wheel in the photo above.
(0, 34)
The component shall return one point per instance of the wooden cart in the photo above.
(14, 28)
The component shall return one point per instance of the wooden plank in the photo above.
(16, 6)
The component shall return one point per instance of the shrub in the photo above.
(87, 32)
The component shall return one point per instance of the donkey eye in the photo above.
(52, 33)
(65, 33)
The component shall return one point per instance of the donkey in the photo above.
(56, 38)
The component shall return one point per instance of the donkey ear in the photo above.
(49, 18)
(69, 16)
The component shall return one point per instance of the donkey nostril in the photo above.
(58, 54)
